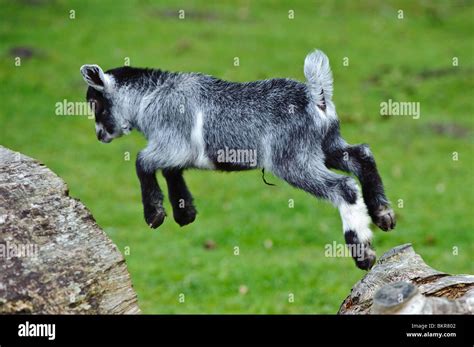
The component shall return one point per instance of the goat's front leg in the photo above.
(152, 197)
(181, 199)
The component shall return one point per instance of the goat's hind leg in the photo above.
(359, 160)
(343, 192)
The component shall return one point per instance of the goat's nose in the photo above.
(99, 134)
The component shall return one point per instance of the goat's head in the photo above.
(109, 121)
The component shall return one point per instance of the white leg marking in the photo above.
(355, 217)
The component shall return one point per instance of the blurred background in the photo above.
(423, 54)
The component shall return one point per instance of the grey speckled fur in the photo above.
(191, 119)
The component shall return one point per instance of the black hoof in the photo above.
(366, 261)
(362, 253)
(384, 218)
(154, 216)
(184, 216)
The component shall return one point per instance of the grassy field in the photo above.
(281, 249)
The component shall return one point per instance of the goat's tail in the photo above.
(318, 73)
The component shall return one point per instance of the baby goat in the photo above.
(191, 120)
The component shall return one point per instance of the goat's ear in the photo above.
(94, 76)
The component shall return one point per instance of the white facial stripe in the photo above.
(355, 217)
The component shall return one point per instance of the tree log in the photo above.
(401, 282)
(54, 258)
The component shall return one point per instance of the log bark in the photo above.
(54, 258)
(401, 282)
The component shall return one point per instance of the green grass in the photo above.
(388, 59)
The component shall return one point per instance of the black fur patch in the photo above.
(136, 76)
(224, 166)
(351, 237)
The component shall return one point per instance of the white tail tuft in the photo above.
(318, 73)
